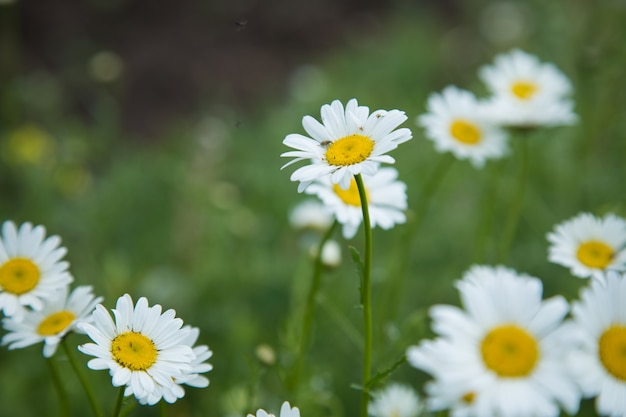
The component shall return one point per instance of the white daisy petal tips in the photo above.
(589, 246)
(598, 329)
(348, 142)
(500, 356)
(455, 124)
(396, 400)
(285, 411)
(31, 269)
(386, 197)
(527, 92)
(144, 349)
(59, 315)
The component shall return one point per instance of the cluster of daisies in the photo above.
(145, 349)
(525, 93)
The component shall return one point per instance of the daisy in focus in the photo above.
(526, 92)
(143, 349)
(502, 354)
(455, 124)
(588, 245)
(386, 199)
(348, 142)
(598, 362)
(396, 400)
(31, 269)
(285, 411)
(59, 315)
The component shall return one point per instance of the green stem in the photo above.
(516, 205)
(119, 401)
(64, 409)
(83, 379)
(309, 310)
(366, 295)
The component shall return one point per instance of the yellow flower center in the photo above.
(468, 397)
(465, 132)
(55, 323)
(612, 349)
(351, 195)
(349, 150)
(524, 90)
(19, 276)
(510, 351)
(134, 351)
(595, 254)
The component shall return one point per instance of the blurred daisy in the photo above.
(191, 378)
(144, 349)
(396, 400)
(527, 92)
(501, 356)
(310, 214)
(31, 269)
(285, 411)
(589, 245)
(349, 141)
(59, 315)
(598, 362)
(455, 124)
(386, 198)
(331, 253)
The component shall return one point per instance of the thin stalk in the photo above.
(516, 205)
(119, 401)
(83, 379)
(64, 409)
(309, 309)
(366, 295)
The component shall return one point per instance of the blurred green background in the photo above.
(147, 135)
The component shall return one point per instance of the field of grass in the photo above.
(197, 220)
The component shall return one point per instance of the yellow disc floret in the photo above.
(612, 351)
(19, 276)
(55, 323)
(510, 351)
(524, 90)
(349, 150)
(134, 351)
(351, 195)
(595, 254)
(465, 132)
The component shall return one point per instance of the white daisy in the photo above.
(502, 355)
(285, 411)
(143, 348)
(396, 400)
(310, 214)
(192, 378)
(31, 269)
(386, 198)
(589, 245)
(59, 315)
(349, 141)
(455, 124)
(598, 362)
(527, 92)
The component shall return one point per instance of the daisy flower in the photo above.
(144, 349)
(191, 378)
(527, 92)
(455, 124)
(501, 355)
(59, 315)
(386, 198)
(396, 400)
(348, 142)
(589, 245)
(31, 269)
(598, 362)
(285, 411)
(310, 214)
